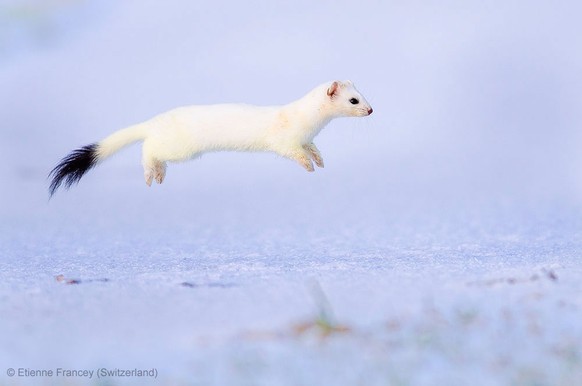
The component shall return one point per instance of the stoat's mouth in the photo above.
(364, 112)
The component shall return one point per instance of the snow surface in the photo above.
(440, 245)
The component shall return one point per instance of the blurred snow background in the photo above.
(445, 229)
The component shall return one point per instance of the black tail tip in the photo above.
(71, 168)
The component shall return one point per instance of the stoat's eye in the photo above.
(354, 101)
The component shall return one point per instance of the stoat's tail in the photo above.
(71, 168)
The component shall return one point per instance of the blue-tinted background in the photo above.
(435, 228)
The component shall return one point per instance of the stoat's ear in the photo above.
(333, 89)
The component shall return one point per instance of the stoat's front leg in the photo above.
(314, 153)
(302, 156)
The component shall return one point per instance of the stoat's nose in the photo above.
(370, 111)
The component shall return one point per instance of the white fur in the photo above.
(187, 132)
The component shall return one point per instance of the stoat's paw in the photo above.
(149, 177)
(160, 172)
(318, 161)
(303, 160)
(308, 165)
(154, 171)
(315, 154)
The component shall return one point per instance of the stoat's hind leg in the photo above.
(160, 172)
(154, 169)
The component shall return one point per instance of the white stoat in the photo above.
(187, 132)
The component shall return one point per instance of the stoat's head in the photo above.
(346, 101)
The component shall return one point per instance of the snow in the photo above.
(439, 246)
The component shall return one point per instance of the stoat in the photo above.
(188, 132)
